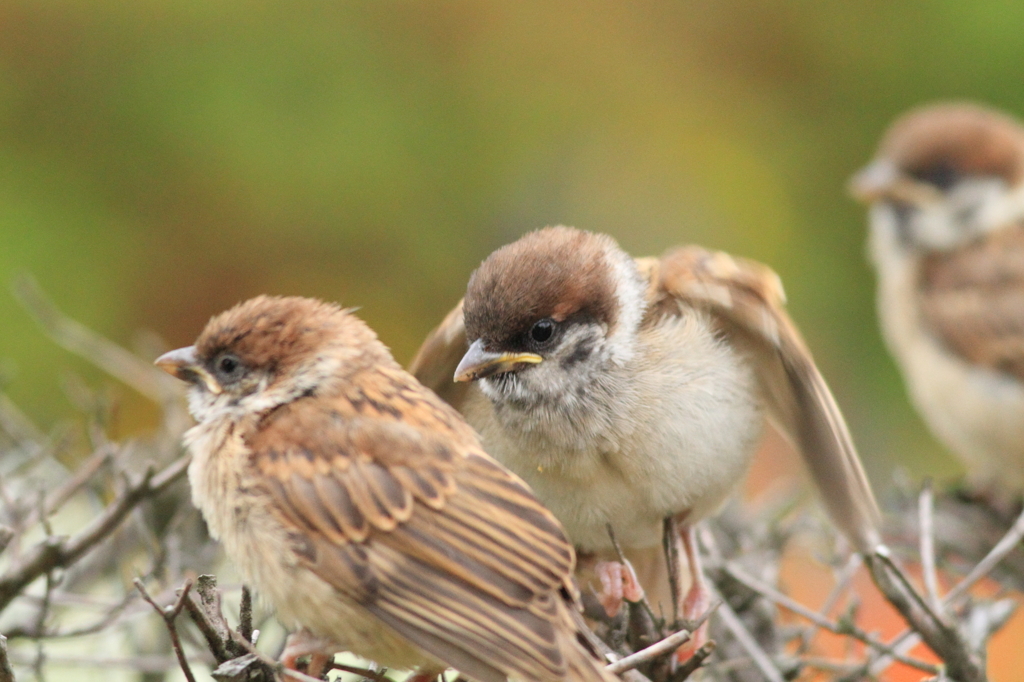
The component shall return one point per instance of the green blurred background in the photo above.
(160, 162)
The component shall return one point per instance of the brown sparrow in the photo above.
(946, 191)
(629, 391)
(364, 509)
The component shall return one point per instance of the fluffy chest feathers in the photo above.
(669, 431)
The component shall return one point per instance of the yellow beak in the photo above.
(184, 364)
(478, 363)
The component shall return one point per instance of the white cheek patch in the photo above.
(972, 208)
(1003, 207)
(632, 304)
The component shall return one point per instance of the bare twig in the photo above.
(208, 617)
(908, 639)
(138, 664)
(82, 341)
(925, 509)
(108, 619)
(18, 425)
(6, 535)
(601, 648)
(658, 649)
(963, 664)
(169, 613)
(245, 615)
(55, 552)
(773, 595)
(844, 578)
(278, 669)
(6, 672)
(739, 631)
(85, 471)
(1010, 541)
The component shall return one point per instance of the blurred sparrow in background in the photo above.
(630, 391)
(364, 509)
(946, 195)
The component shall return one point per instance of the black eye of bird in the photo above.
(228, 366)
(542, 330)
(941, 175)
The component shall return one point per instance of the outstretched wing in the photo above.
(747, 298)
(436, 360)
(973, 300)
(404, 513)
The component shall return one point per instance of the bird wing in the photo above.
(438, 357)
(972, 300)
(747, 299)
(400, 510)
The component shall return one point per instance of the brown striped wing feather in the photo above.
(404, 513)
(972, 300)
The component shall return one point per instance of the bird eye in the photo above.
(542, 330)
(228, 367)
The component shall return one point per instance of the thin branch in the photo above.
(169, 613)
(276, 666)
(925, 510)
(962, 664)
(6, 535)
(63, 493)
(907, 639)
(109, 618)
(84, 342)
(1009, 542)
(6, 671)
(141, 663)
(844, 579)
(245, 615)
(658, 649)
(773, 595)
(598, 645)
(56, 552)
(208, 617)
(17, 424)
(746, 640)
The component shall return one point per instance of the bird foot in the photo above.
(318, 650)
(618, 583)
(694, 606)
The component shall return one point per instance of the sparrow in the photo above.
(364, 509)
(628, 391)
(946, 198)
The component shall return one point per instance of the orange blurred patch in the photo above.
(809, 581)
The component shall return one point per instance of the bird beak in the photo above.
(478, 363)
(184, 364)
(872, 182)
(882, 180)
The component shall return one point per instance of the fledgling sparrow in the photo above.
(946, 195)
(364, 509)
(629, 391)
